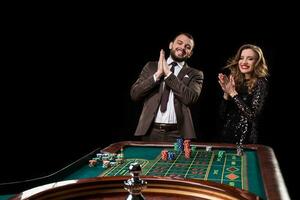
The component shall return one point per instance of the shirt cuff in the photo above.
(155, 79)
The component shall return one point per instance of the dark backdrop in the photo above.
(66, 82)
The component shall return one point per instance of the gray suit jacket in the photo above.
(186, 88)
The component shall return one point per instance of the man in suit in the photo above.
(168, 87)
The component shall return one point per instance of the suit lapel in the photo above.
(185, 70)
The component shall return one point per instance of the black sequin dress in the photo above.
(240, 114)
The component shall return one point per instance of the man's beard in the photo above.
(176, 58)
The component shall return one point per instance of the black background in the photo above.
(66, 76)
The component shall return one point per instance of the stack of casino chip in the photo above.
(187, 144)
(122, 154)
(164, 154)
(120, 158)
(106, 164)
(187, 149)
(92, 163)
(171, 155)
(178, 146)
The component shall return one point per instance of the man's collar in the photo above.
(170, 60)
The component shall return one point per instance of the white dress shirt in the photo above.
(169, 117)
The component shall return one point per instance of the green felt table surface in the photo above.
(229, 169)
(256, 171)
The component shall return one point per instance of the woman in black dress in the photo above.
(245, 90)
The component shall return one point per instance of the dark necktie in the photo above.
(166, 92)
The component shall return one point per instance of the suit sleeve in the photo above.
(257, 102)
(145, 83)
(188, 93)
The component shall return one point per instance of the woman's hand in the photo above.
(227, 85)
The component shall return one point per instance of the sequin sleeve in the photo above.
(223, 108)
(259, 94)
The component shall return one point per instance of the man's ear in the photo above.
(170, 45)
(191, 54)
